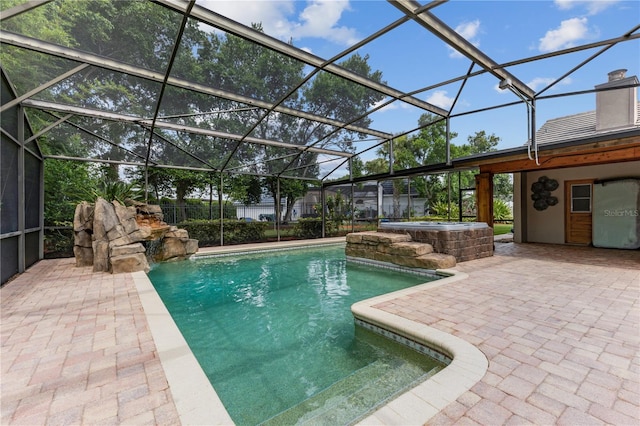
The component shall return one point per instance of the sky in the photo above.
(411, 58)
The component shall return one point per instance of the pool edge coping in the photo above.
(193, 394)
(198, 403)
(420, 403)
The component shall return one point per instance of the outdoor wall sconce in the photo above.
(541, 196)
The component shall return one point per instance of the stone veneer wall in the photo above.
(397, 249)
(464, 245)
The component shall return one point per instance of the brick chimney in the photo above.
(616, 109)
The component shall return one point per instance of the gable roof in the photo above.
(572, 127)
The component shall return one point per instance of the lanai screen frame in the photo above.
(480, 63)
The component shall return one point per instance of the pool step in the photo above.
(351, 398)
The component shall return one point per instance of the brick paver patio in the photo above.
(561, 329)
(559, 325)
(76, 349)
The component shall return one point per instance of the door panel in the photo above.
(578, 195)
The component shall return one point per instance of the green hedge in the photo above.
(207, 232)
(308, 228)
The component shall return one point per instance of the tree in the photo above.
(290, 190)
(503, 187)
(245, 188)
(237, 65)
(142, 33)
(134, 32)
(67, 183)
(74, 182)
(480, 143)
(331, 96)
(337, 209)
(428, 146)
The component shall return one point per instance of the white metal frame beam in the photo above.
(24, 42)
(51, 106)
(232, 27)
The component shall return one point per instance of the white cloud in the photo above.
(319, 19)
(542, 82)
(272, 15)
(569, 31)
(593, 6)
(392, 106)
(439, 98)
(469, 31)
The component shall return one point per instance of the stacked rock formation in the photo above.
(109, 236)
(398, 249)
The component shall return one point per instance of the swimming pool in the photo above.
(311, 363)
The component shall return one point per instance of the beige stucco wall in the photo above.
(547, 226)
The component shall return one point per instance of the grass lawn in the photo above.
(502, 228)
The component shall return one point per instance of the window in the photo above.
(581, 198)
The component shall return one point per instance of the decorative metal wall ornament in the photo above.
(541, 196)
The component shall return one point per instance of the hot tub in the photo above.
(463, 240)
(436, 226)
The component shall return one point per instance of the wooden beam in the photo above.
(630, 152)
(484, 198)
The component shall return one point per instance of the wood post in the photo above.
(484, 198)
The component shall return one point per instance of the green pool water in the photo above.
(275, 335)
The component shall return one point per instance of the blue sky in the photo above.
(411, 58)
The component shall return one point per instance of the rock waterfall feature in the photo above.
(111, 237)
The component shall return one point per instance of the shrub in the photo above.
(441, 210)
(308, 228)
(117, 191)
(207, 232)
(58, 242)
(501, 210)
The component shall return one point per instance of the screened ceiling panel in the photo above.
(574, 77)
(380, 111)
(503, 19)
(235, 65)
(97, 78)
(66, 140)
(293, 130)
(418, 70)
(104, 90)
(262, 159)
(170, 148)
(126, 31)
(36, 68)
(474, 94)
(331, 96)
(179, 106)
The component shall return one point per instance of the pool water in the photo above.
(275, 335)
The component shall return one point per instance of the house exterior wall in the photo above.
(547, 226)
